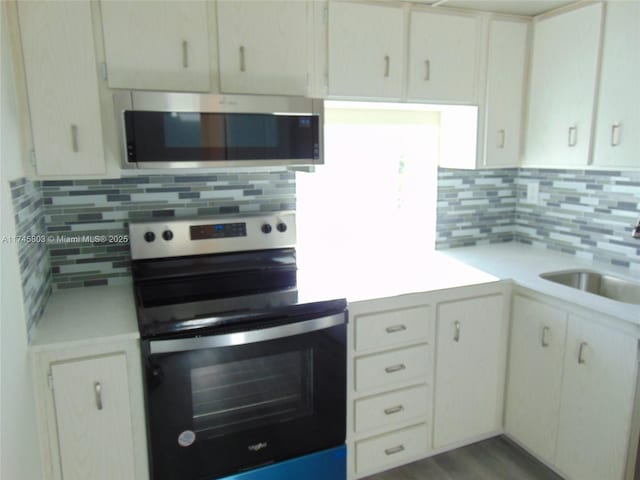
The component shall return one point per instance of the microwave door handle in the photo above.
(243, 338)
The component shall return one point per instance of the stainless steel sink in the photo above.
(604, 285)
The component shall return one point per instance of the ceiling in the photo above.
(514, 7)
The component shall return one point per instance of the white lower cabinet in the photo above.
(375, 453)
(91, 412)
(571, 390)
(471, 349)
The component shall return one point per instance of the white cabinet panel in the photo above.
(563, 87)
(443, 57)
(392, 367)
(263, 46)
(597, 401)
(617, 143)
(62, 86)
(470, 360)
(376, 452)
(391, 328)
(534, 384)
(391, 408)
(506, 67)
(94, 418)
(157, 45)
(366, 50)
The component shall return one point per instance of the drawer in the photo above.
(389, 368)
(395, 327)
(391, 408)
(391, 448)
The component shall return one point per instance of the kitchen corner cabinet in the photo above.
(91, 411)
(156, 45)
(562, 87)
(571, 389)
(366, 50)
(617, 142)
(471, 349)
(264, 46)
(503, 110)
(443, 57)
(62, 87)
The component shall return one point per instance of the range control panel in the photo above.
(162, 239)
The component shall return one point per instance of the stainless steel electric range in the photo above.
(243, 380)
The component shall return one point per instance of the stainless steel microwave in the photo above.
(185, 130)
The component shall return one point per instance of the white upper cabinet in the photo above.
(617, 141)
(62, 87)
(506, 70)
(264, 46)
(157, 45)
(443, 57)
(366, 50)
(562, 87)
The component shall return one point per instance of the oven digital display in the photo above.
(218, 230)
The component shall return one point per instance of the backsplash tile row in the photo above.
(582, 212)
(33, 254)
(87, 220)
(475, 207)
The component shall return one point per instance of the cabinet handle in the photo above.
(185, 54)
(501, 138)
(395, 368)
(242, 64)
(387, 64)
(615, 134)
(545, 334)
(74, 138)
(392, 410)
(456, 333)
(98, 389)
(427, 70)
(393, 450)
(573, 136)
(395, 328)
(581, 359)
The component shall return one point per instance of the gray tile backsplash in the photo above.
(33, 254)
(581, 212)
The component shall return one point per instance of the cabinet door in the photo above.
(534, 383)
(597, 401)
(562, 88)
(443, 57)
(94, 418)
(470, 360)
(506, 66)
(156, 45)
(263, 47)
(62, 86)
(366, 50)
(617, 142)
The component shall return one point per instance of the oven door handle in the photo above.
(243, 338)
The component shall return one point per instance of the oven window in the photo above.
(234, 396)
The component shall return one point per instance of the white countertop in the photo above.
(89, 315)
(85, 316)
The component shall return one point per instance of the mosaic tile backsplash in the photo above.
(33, 253)
(87, 220)
(585, 213)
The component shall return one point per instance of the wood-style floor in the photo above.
(493, 459)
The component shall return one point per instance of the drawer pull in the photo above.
(98, 390)
(501, 138)
(243, 67)
(573, 136)
(185, 54)
(395, 368)
(615, 134)
(395, 328)
(392, 410)
(456, 333)
(394, 450)
(581, 359)
(545, 336)
(387, 64)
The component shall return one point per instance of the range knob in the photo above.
(266, 228)
(282, 227)
(167, 235)
(149, 237)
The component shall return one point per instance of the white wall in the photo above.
(19, 450)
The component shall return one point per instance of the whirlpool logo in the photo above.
(257, 447)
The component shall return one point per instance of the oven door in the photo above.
(222, 404)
